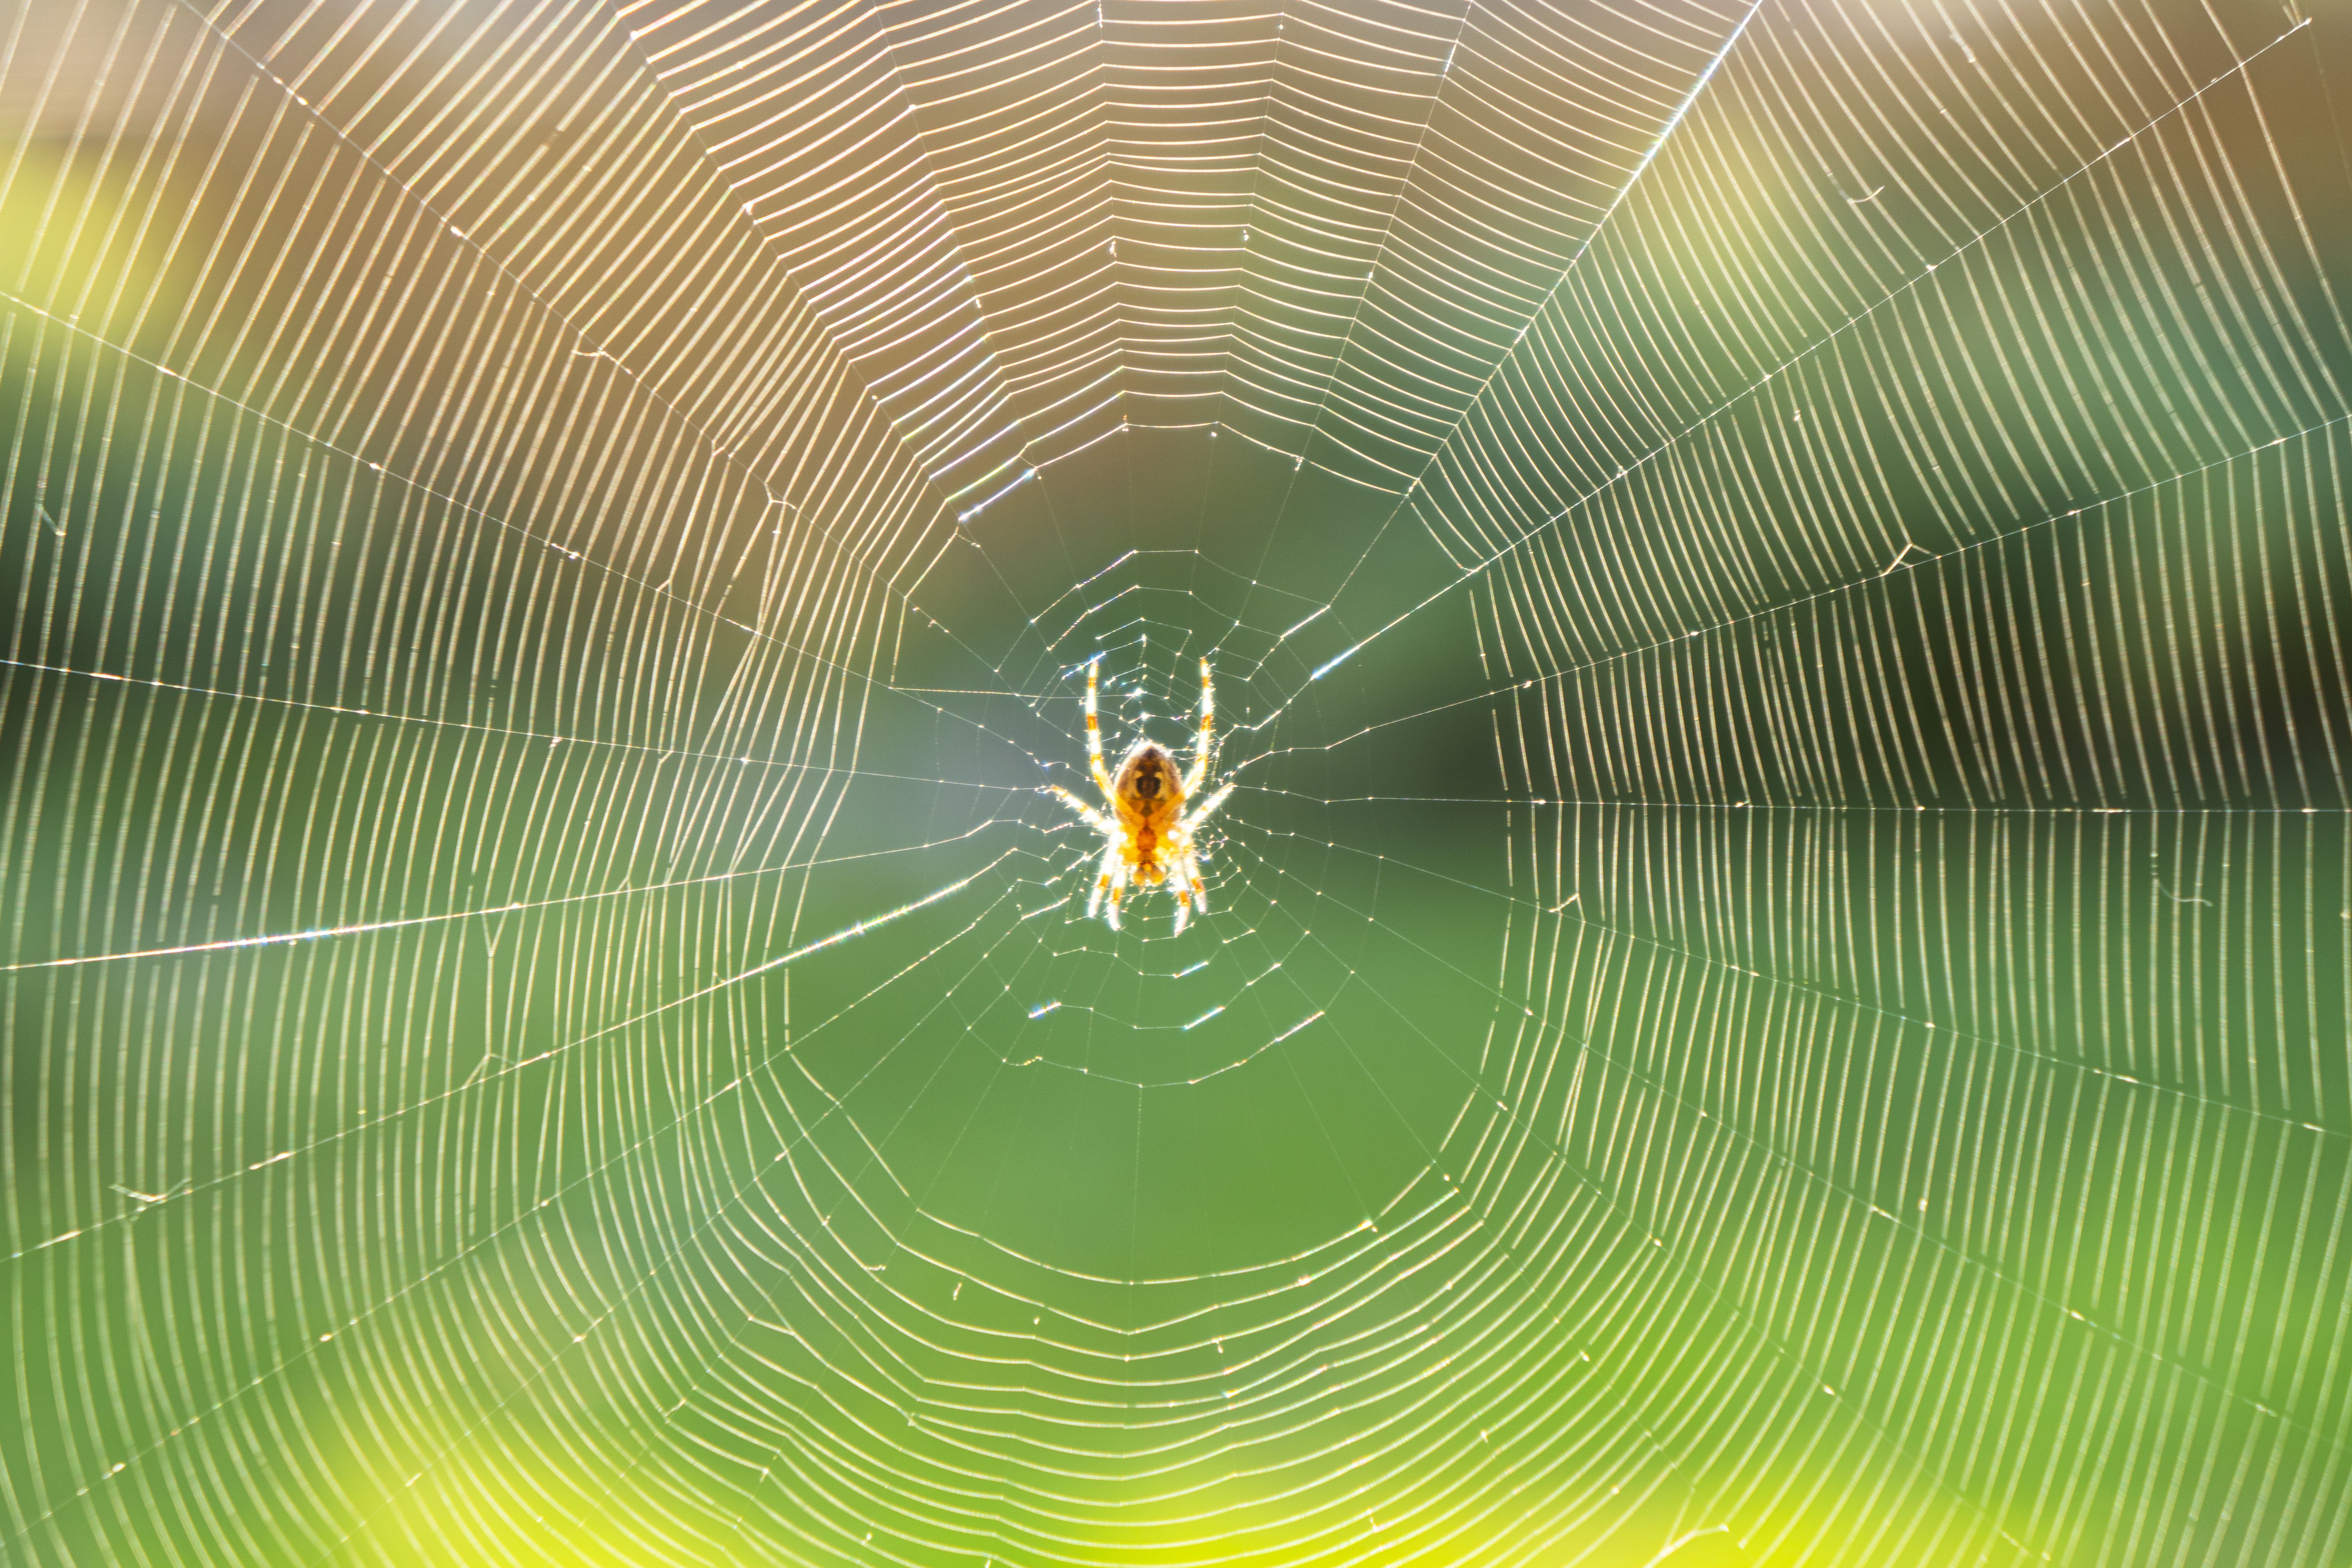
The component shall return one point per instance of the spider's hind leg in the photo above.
(1103, 781)
(1202, 748)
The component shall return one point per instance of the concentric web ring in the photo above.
(1774, 987)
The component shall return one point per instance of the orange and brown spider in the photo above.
(1147, 832)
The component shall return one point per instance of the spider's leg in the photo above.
(1114, 879)
(1184, 882)
(1094, 743)
(1201, 749)
(1201, 814)
(1094, 819)
(1105, 882)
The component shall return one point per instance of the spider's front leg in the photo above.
(1110, 884)
(1184, 874)
(1184, 882)
(1199, 889)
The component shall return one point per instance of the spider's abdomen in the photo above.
(1148, 784)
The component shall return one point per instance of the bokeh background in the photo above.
(1775, 988)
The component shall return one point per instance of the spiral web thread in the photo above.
(478, 472)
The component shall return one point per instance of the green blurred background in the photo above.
(1775, 981)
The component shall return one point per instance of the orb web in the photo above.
(1774, 983)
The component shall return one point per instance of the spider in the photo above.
(1147, 832)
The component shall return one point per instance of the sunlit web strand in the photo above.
(1707, 419)
(1608, 1198)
